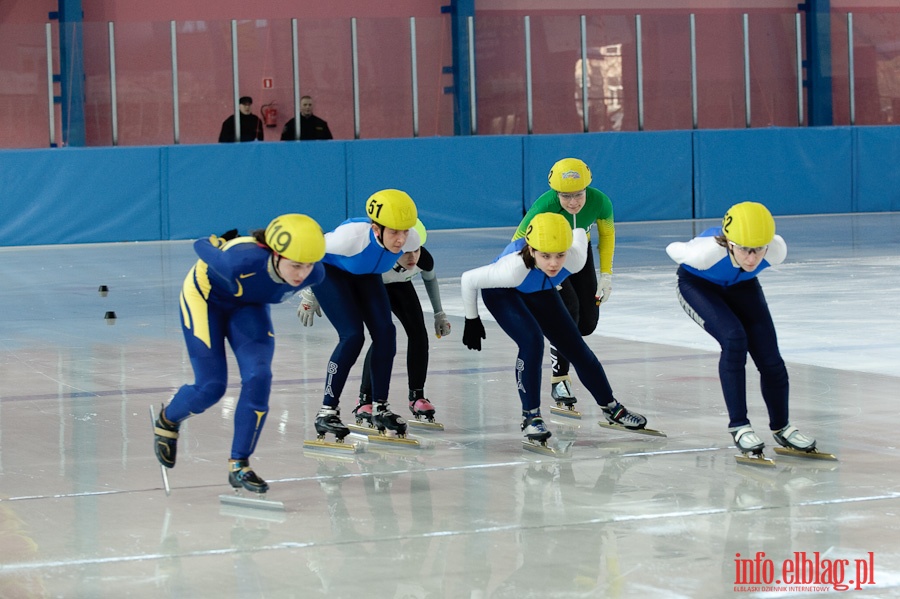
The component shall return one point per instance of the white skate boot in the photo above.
(561, 393)
(795, 443)
(750, 446)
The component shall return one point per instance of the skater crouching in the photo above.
(226, 295)
(406, 306)
(520, 291)
(718, 288)
(353, 295)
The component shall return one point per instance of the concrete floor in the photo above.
(83, 512)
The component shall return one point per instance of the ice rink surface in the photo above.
(83, 512)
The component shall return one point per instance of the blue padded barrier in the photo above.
(456, 182)
(647, 177)
(792, 171)
(877, 176)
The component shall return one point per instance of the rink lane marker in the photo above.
(19, 567)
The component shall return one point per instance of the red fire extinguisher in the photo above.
(269, 114)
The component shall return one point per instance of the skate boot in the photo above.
(328, 421)
(750, 446)
(166, 439)
(794, 443)
(616, 413)
(363, 411)
(422, 411)
(383, 419)
(791, 438)
(242, 475)
(561, 392)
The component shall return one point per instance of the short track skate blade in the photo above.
(814, 454)
(163, 470)
(542, 448)
(639, 431)
(337, 446)
(425, 424)
(363, 429)
(259, 503)
(244, 512)
(756, 459)
(396, 441)
(566, 412)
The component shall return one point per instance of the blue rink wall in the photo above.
(84, 195)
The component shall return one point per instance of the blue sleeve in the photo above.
(218, 262)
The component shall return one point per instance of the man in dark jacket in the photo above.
(311, 126)
(251, 125)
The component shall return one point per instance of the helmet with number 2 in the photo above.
(549, 232)
(569, 175)
(392, 208)
(297, 237)
(749, 224)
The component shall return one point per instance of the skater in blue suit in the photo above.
(718, 288)
(226, 295)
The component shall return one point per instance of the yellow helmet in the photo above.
(392, 208)
(420, 229)
(297, 237)
(569, 175)
(549, 232)
(749, 224)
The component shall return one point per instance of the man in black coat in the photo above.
(311, 126)
(251, 125)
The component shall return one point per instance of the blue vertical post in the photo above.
(818, 62)
(71, 71)
(460, 11)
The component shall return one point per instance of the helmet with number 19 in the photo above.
(296, 237)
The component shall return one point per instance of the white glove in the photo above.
(441, 325)
(604, 287)
(308, 308)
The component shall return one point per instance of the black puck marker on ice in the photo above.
(103, 291)
(110, 317)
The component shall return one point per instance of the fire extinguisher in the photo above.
(269, 114)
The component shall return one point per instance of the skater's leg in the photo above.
(704, 303)
(375, 310)
(406, 306)
(250, 335)
(584, 284)
(559, 363)
(512, 314)
(341, 301)
(752, 309)
(559, 328)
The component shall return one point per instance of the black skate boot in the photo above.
(561, 392)
(166, 439)
(383, 419)
(616, 413)
(328, 421)
(363, 410)
(242, 475)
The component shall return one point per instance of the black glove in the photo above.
(229, 235)
(473, 333)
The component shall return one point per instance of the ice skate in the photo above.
(162, 466)
(423, 412)
(363, 415)
(241, 476)
(536, 433)
(750, 446)
(385, 427)
(619, 418)
(166, 433)
(561, 392)
(794, 443)
(328, 422)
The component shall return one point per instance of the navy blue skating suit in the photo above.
(729, 304)
(352, 296)
(527, 306)
(226, 295)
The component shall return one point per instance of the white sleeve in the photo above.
(577, 256)
(777, 251)
(700, 252)
(509, 271)
(348, 239)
